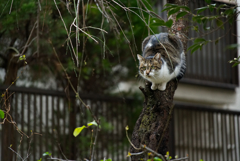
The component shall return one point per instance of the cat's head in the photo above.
(148, 67)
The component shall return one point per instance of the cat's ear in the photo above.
(140, 58)
(157, 56)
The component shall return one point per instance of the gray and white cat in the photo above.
(163, 59)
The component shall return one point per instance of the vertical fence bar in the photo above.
(47, 134)
(34, 123)
(41, 124)
(224, 137)
(53, 124)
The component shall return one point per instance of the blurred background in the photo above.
(101, 65)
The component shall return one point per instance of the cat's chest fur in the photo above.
(163, 60)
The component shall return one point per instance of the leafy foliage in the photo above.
(47, 154)
(78, 130)
(199, 20)
(2, 115)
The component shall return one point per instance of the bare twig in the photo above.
(131, 142)
(11, 7)
(59, 159)
(184, 158)
(152, 151)
(29, 38)
(38, 26)
(139, 153)
(15, 153)
(68, 33)
(74, 90)
(94, 144)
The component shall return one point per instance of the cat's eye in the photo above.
(155, 68)
(143, 68)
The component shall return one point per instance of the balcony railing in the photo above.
(210, 65)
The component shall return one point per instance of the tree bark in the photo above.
(152, 126)
(151, 129)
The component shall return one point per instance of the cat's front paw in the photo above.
(162, 87)
(154, 87)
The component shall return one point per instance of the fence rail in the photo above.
(201, 132)
(207, 133)
(210, 65)
(52, 116)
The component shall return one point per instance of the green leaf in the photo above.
(235, 64)
(199, 10)
(92, 123)
(107, 160)
(229, 12)
(172, 11)
(181, 14)
(47, 154)
(170, 4)
(185, 7)
(169, 23)
(196, 48)
(197, 18)
(211, 7)
(23, 57)
(167, 8)
(2, 114)
(157, 159)
(193, 46)
(199, 40)
(40, 159)
(219, 23)
(233, 46)
(221, 6)
(157, 22)
(78, 130)
(208, 1)
(231, 20)
(195, 28)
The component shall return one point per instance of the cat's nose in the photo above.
(147, 72)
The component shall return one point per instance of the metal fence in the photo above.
(201, 133)
(206, 133)
(210, 66)
(53, 117)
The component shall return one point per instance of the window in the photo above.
(210, 66)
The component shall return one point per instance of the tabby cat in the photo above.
(163, 59)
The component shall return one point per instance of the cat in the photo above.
(158, 66)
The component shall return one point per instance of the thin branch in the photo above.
(15, 153)
(180, 159)
(139, 153)
(38, 26)
(74, 90)
(152, 151)
(28, 40)
(94, 144)
(131, 142)
(59, 159)
(85, 33)
(11, 7)
(62, 152)
(68, 33)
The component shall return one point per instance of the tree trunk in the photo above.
(152, 126)
(8, 128)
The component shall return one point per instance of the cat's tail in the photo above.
(183, 67)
